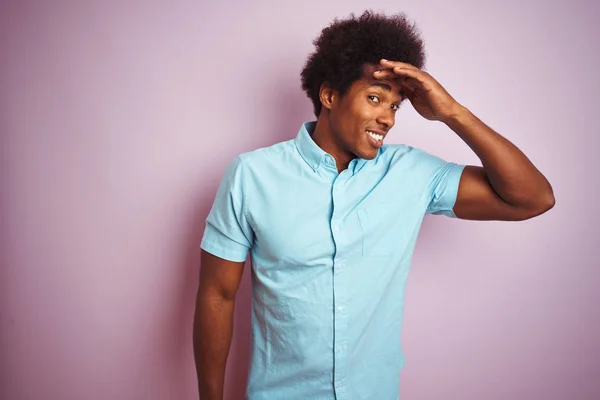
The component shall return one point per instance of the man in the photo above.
(331, 219)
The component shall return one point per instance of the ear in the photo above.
(327, 95)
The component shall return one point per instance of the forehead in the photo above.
(367, 81)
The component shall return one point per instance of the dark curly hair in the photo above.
(345, 46)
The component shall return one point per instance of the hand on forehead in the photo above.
(386, 76)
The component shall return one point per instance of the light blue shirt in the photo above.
(330, 257)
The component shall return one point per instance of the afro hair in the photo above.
(346, 45)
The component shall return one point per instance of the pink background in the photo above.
(117, 122)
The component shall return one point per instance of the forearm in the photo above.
(213, 329)
(510, 173)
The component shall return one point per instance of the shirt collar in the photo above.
(315, 156)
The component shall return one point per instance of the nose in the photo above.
(386, 117)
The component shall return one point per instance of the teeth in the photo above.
(375, 136)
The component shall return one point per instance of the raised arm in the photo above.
(213, 322)
(508, 186)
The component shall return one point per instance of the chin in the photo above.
(370, 156)
(368, 152)
(367, 155)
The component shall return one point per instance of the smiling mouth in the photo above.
(375, 139)
(375, 136)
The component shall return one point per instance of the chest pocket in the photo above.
(379, 234)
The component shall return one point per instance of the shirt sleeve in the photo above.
(228, 234)
(443, 184)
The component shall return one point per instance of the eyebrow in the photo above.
(386, 87)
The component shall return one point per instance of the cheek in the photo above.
(363, 112)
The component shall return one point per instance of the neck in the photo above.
(324, 137)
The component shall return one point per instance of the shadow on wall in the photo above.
(278, 124)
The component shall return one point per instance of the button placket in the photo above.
(339, 267)
(339, 291)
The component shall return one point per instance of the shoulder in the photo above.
(413, 163)
(407, 155)
(262, 163)
(260, 156)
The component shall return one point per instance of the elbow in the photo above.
(549, 202)
(543, 204)
(543, 200)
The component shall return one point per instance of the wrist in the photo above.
(458, 116)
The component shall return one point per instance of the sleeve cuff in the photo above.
(223, 247)
(450, 192)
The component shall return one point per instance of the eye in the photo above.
(374, 97)
(397, 107)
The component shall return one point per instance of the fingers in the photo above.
(404, 79)
(392, 64)
(413, 73)
(385, 74)
(404, 69)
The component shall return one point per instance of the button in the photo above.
(339, 349)
(340, 308)
(336, 228)
(316, 166)
(338, 384)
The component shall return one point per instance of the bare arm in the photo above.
(213, 322)
(508, 186)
